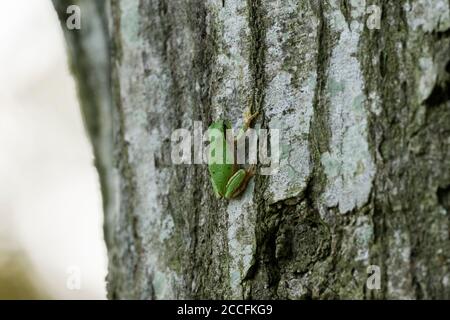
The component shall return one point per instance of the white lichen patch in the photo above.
(349, 165)
(363, 236)
(167, 227)
(290, 94)
(290, 111)
(375, 103)
(428, 15)
(130, 21)
(241, 239)
(231, 69)
(399, 262)
(295, 288)
(427, 77)
(159, 284)
(163, 283)
(446, 281)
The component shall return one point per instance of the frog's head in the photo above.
(221, 125)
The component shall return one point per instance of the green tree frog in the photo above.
(227, 180)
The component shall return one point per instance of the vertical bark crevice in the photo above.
(320, 130)
(257, 61)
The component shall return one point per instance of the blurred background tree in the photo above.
(50, 203)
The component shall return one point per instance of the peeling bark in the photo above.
(365, 135)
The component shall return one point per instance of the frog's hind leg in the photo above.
(239, 181)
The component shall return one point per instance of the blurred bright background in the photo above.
(51, 239)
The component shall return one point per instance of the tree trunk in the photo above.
(364, 120)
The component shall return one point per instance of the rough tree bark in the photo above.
(365, 131)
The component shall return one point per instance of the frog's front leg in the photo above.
(248, 118)
(247, 122)
(238, 182)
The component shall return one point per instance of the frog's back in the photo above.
(221, 125)
(222, 171)
(219, 177)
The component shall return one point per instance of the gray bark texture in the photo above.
(364, 120)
